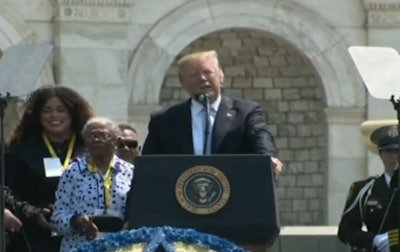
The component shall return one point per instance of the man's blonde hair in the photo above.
(182, 62)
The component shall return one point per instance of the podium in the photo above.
(231, 196)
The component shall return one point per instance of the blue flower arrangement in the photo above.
(155, 237)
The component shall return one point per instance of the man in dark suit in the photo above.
(235, 126)
(373, 202)
(128, 144)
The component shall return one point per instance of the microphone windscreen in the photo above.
(201, 97)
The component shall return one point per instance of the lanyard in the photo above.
(53, 152)
(107, 179)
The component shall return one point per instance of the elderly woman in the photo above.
(95, 184)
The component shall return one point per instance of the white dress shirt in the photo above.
(199, 123)
(388, 178)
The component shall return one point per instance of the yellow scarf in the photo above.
(107, 179)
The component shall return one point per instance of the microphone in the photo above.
(202, 97)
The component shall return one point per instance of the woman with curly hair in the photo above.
(48, 134)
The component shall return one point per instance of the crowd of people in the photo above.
(69, 171)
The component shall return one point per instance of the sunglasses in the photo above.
(131, 144)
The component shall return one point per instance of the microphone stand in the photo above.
(3, 105)
(396, 105)
(206, 103)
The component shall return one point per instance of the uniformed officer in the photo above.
(369, 220)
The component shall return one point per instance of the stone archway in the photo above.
(321, 44)
(324, 47)
(14, 31)
(12, 28)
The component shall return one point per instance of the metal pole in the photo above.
(396, 105)
(3, 106)
(207, 126)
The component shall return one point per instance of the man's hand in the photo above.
(277, 166)
(11, 222)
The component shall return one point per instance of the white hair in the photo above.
(102, 120)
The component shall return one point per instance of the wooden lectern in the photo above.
(231, 196)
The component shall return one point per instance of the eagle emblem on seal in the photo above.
(202, 190)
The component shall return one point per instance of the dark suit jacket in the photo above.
(239, 128)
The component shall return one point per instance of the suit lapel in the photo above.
(186, 129)
(223, 120)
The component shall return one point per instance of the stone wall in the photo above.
(116, 53)
(261, 67)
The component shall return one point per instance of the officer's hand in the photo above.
(381, 242)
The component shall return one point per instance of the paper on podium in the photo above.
(20, 68)
(379, 68)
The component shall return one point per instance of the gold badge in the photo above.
(202, 190)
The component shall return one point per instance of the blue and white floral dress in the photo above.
(81, 191)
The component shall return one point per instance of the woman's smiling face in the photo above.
(55, 117)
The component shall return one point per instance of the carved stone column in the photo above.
(346, 157)
(92, 52)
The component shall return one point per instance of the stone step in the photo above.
(308, 239)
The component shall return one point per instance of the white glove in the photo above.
(381, 242)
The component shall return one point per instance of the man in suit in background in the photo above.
(236, 126)
(128, 144)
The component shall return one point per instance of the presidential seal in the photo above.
(202, 190)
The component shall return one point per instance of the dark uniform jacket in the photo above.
(370, 203)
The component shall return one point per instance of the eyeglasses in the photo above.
(99, 135)
(131, 144)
